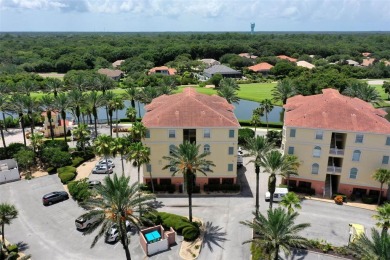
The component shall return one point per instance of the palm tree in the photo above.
(78, 81)
(115, 204)
(3, 106)
(266, 106)
(108, 98)
(229, 82)
(383, 217)
(104, 145)
(82, 134)
(138, 131)
(147, 94)
(292, 169)
(131, 114)
(47, 104)
(53, 84)
(131, 94)
(26, 87)
(61, 102)
(275, 163)
(386, 88)
(16, 104)
(140, 154)
(283, 90)
(116, 104)
(36, 142)
(76, 100)
(363, 91)
(95, 101)
(291, 201)
(382, 176)
(31, 105)
(257, 147)
(378, 248)
(228, 93)
(8, 212)
(122, 144)
(277, 231)
(103, 83)
(255, 119)
(186, 159)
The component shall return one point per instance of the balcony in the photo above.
(336, 151)
(333, 169)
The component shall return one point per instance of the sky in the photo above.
(193, 15)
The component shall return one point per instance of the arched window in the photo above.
(353, 173)
(206, 148)
(317, 151)
(315, 168)
(356, 156)
(171, 149)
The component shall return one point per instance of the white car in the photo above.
(278, 195)
(102, 169)
(103, 162)
(112, 234)
(82, 223)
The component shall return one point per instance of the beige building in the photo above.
(340, 142)
(208, 121)
(56, 123)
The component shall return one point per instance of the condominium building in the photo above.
(208, 121)
(340, 142)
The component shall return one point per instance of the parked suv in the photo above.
(109, 162)
(102, 169)
(82, 223)
(112, 234)
(54, 197)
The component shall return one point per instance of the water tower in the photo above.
(253, 28)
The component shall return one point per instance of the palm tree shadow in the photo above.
(156, 204)
(22, 246)
(213, 235)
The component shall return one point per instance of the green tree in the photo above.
(187, 160)
(228, 93)
(3, 106)
(266, 107)
(8, 212)
(140, 154)
(25, 159)
(62, 104)
(95, 101)
(16, 105)
(386, 88)
(116, 104)
(122, 144)
(131, 94)
(256, 117)
(76, 101)
(36, 142)
(291, 201)
(292, 169)
(283, 90)
(378, 248)
(274, 163)
(383, 217)
(47, 104)
(257, 148)
(104, 145)
(138, 131)
(131, 114)
(54, 85)
(229, 82)
(277, 231)
(363, 91)
(82, 135)
(216, 79)
(116, 203)
(382, 176)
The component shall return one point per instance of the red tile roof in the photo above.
(263, 66)
(367, 62)
(284, 57)
(171, 71)
(331, 110)
(190, 109)
(247, 55)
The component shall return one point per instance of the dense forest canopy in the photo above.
(61, 52)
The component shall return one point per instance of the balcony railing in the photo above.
(336, 151)
(333, 169)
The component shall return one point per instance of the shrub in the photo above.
(369, 199)
(343, 197)
(79, 190)
(191, 232)
(12, 248)
(56, 158)
(77, 161)
(338, 199)
(14, 148)
(243, 134)
(66, 174)
(61, 144)
(51, 170)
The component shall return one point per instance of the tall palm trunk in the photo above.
(266, 119)
(151, 179)
(95, 118)
(31, 117)
(48, 114)
(123, 165)
(117, 120)
(132, 103)
(5, 125)
(124, 241)
(139, 111)
(2, 235)
(63, 115)
(189, 182)
(110, 121)
(271, 188)
(257, 171)
(22, 125)
(276, 257)
(78, 114)
(2, 138)
(107, 115)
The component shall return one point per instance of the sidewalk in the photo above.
(351, 204)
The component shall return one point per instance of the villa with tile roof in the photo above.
(225, 71)
(113, 74)
(208, 121)
(340, 141)
(284, 57)
(263, 68)
(163, 70)
(57, 124)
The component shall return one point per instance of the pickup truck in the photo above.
(102, 169)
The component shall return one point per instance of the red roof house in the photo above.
(284, 57)
(163, 70)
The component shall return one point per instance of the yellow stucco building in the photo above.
(340, 142)
(208, 121)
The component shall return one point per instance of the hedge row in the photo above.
(222, 187)
(263, 124)
(66, 174)
(190, 231)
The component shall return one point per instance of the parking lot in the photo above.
(50, 233)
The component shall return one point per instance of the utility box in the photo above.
(9, 171)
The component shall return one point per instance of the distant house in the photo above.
(247, 55)
(305, 64)
(366, 54)
(368, 62)
(352, 63)
(113, 74)
(263, 68)
(117, 63)
(225, 71)
(210, 62)
(284, 57)
(163, 70)
(386, 62)
(56, 122)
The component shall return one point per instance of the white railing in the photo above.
(334, 169)
(336, 151)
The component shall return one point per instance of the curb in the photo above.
(331, 201)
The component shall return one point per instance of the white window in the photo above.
(356, 156)
(206, 148)
(359, 138)
(206, 133)
(172, 133)
(319, 134)
(353, 173)
(292, 132)
(315, 168)
(317, 151)
(385, 159)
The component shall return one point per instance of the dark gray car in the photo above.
(54, 197)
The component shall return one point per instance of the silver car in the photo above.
(112, 234)
(102, 169)
(104, 162)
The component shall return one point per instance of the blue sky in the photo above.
(194, 15)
